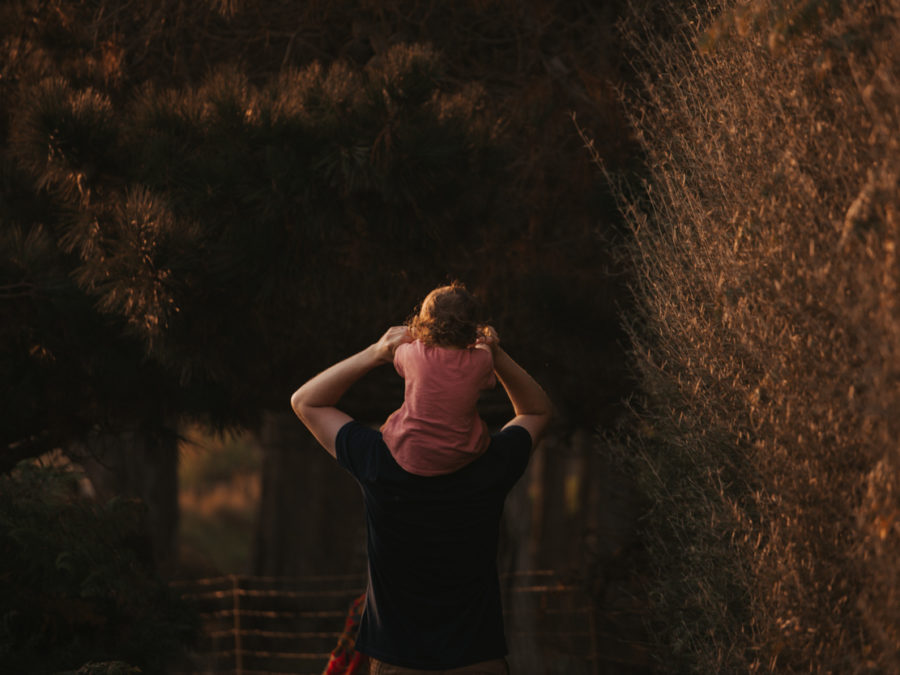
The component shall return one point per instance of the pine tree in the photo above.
(199, 245)
(235, 216)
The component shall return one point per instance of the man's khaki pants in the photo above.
(493, 667)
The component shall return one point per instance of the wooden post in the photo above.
(595, 649)
(236, 606)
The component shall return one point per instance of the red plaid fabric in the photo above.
(345, 660)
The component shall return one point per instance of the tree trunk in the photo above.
(566, 483)
(311, 515)
(519, 547)
(142, 466)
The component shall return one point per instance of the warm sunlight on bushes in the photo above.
(219, 495)
(769, 340)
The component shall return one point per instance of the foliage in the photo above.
(208, 459)
(237, 196)
(219, 484)
(201, 186)
(767, 342)
(77, 583)
(67, 367)
(171, 230)
(781, 21)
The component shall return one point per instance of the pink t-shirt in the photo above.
(437, 430)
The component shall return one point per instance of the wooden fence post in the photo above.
(595, 651)
(236, 607)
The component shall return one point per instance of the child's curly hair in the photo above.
(449, 316)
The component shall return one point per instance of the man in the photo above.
(433, 597)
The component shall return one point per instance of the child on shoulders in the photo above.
(447, 364)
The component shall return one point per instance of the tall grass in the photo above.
(768, 335)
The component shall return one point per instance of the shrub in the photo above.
(77, 583)
(768, 336)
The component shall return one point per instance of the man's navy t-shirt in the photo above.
(433, 600)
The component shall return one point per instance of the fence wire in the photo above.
(274, 626)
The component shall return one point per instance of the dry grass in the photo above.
(768, 341)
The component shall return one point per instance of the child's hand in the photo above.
(388, 343)
(489, 337)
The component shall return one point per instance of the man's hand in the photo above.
(315, 402)
(388, 343)
(531, 405)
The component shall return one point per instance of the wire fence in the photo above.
(269, 626)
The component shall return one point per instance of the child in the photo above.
(437, 430)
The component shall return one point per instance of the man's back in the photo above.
(433, 599)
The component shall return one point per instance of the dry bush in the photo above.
(768, 341)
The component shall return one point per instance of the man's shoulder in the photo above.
(512, 446)
(357, 447)
(512, 438)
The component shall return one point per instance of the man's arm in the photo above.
(531, 404)
(315, 401)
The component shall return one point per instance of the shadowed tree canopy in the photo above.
(205, 196)
(227, 230)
